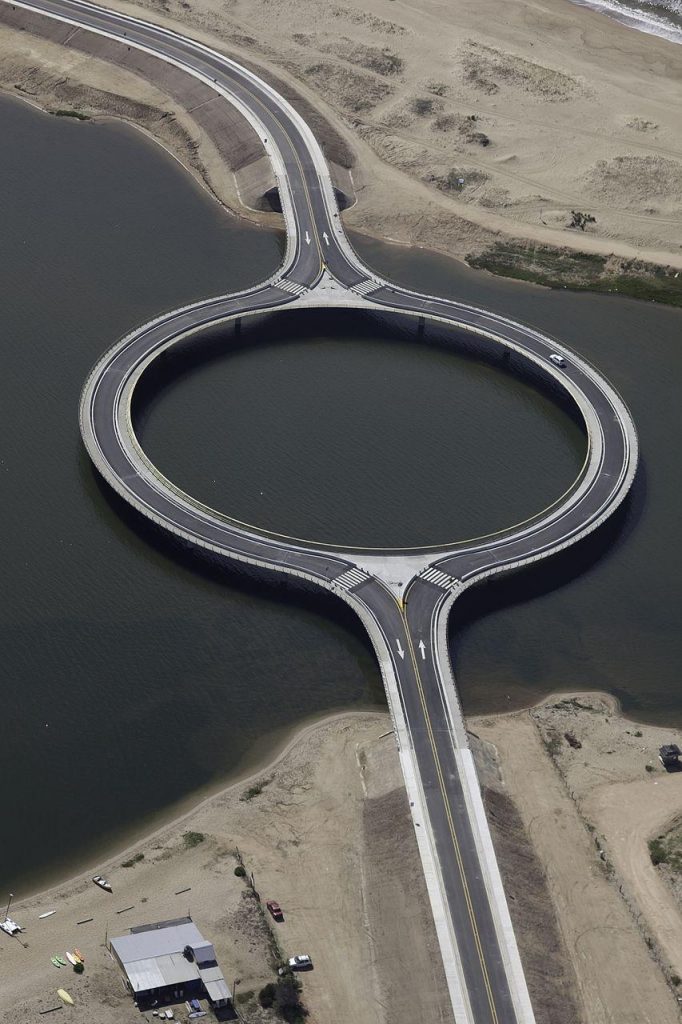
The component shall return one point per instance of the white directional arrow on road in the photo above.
(401, 652)
(326, 237)
(422, 649)
(307, 238)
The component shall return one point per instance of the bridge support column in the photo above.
(238, 327)
(421, 325)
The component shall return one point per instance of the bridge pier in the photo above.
(238, 327)
(421, 326)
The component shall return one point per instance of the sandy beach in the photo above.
(464, 124)
(326, 830)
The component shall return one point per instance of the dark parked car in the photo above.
(275, 909)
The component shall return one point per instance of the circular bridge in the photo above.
(403, 597)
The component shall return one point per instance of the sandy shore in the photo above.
(468, 123)
(319, 835)
(327, 832)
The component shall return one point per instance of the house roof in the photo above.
(152, 957)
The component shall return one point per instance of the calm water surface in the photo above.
(361, 437)
(133, 674)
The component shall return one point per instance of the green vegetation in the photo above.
(657, 852)
(581, 271)
(675, 979)
(649, 768)
(193, 839)
(255, 790)
(245, 997)
(240, 871)
(133, 861)
(284, 996)
(71, 113)
(79, 968)
(667, 849)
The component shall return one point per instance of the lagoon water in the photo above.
(134, 674)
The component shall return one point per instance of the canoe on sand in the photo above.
(64, 996)
(80, 956)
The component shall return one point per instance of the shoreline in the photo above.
(261, 762)
(636, 20)
(255, 764)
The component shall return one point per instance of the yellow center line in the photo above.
(451, 825)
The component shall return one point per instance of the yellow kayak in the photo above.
(64, 996)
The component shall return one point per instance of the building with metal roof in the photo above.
(168, 961)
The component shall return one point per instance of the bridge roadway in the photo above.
(402, 597)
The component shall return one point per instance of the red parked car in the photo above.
(275, 909)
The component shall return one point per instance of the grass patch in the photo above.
(255, 790)
(193, 839)
(133, 861)
(71, 113)
(581, 271)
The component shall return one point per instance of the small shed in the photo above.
(669, 755)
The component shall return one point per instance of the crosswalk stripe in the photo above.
(365, 287)
(291, 286)
(438, 578)
(350, 578)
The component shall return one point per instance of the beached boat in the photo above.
(64, 996)
(80, 956)
(56, 962)
(48, 913)
(60, 960)
(10, 926)
(101, 882)
(73, 960)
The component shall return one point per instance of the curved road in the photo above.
(403, 597)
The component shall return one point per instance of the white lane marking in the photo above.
(326, 237)
(422, 650)
(401, 652)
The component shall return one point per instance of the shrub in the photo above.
(240, 871)
(657, 852)
(193, 838)
(422, 106)
(255, 790)
(580, 220)
(572, 740)
(133, 861)
(675, 978)
(79, 968)
(649, 768)
(266, 996)
(71, 113)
